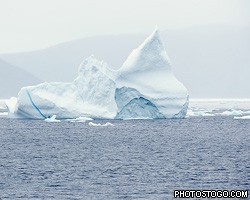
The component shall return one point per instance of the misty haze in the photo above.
(124, 99)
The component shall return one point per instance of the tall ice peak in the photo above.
(150, 55)
(154, 36)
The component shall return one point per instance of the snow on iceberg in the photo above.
(147, 74)
(144, 87)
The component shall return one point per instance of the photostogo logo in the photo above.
(211, 194)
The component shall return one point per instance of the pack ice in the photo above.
(144, 87)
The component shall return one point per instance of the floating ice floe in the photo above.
(98, 124)
(52, 119)
(232, 112)
(199, 113)
(243, 117)
(138, 118)
(3, 113)
(219, 107)
(195, 112)
(80, 119)
(219, 104)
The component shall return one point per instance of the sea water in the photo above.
(134, 159)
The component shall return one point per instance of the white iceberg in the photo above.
(145, 87)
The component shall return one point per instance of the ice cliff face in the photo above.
(133, 105)
(144, 87)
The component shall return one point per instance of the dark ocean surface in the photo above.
(134, 159)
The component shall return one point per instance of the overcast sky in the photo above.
(34, 24)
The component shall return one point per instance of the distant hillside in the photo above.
(12, 79)
(212, 61)
(60, 62)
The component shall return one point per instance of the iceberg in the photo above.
(143, 88)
